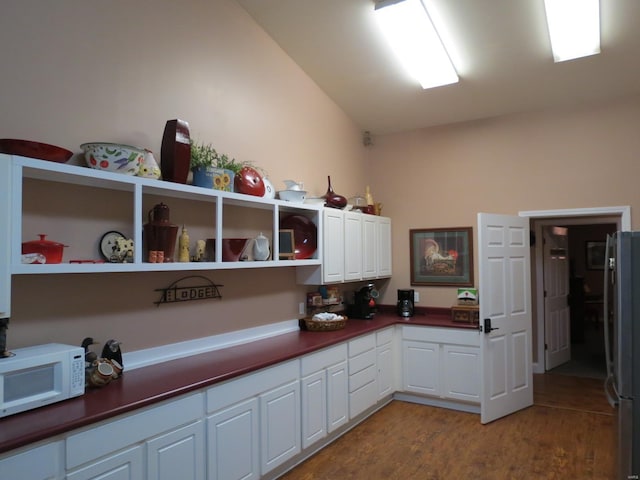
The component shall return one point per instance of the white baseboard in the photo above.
(164, 353)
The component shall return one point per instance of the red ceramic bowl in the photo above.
(305, 235)
(42, 151)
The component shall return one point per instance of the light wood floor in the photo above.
(567, 434)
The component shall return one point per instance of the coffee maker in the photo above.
(405, 303)
(364, 303)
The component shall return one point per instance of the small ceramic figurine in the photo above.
(149, 167)
(200, 249)
(124, 251)
(183, 244)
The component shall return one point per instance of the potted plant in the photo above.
(211, 169)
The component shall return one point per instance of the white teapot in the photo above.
(261, 249)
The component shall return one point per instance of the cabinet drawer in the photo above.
(362, 377)
(361, 344)
(384, 336)
(323, 359)
(362, 361)
(362, 399)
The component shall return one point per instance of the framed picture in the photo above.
(595, 254)
(442, 256)
(287, 245)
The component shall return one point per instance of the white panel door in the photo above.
(177, 454)
(280, 433)
(369, 246)
(505, 302)
(232, 442)
(385, 268)
(337, 396)
(314, 408)
(421, 367)
(557, 321)
(333, 245)
(352, 246)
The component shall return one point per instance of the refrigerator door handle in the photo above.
(610, 391)
(605, 301)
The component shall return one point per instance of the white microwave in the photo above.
(40, 375)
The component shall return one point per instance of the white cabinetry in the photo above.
(325, 401)
(121, 202)
(363, 374)
(441, 362)
(37, 463)
(168, 439)
(260, 413)
(385, 362)
(356, 247)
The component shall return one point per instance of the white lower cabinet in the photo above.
(325, 400)
(165, 439)
(441, 362)
(37, 463)
(386, 362)
(363, 374)
(253, 423)
(177, 454)
(233, 442)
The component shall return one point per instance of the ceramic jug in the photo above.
(261, 249)
(160, 235)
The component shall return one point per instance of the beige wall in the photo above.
(116, 71)
(442, 177)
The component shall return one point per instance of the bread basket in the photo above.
(325, 325)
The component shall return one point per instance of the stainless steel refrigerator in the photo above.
(622, 344)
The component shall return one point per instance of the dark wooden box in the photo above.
(465, 313)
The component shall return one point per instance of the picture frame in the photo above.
(595, 253)
(287, 249)
(442, 256)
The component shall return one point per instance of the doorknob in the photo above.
(487, 326)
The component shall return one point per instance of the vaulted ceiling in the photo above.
(502, 56)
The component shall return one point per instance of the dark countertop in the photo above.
(145, 386)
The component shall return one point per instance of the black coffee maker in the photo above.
(405, 303)
(364, 303)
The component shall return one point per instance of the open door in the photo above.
(505, 315)
(557, 321)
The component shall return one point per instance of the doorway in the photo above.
(588, 221)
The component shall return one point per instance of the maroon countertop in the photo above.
(145, 386)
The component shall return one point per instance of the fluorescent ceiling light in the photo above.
(574, 28)
(416, 42)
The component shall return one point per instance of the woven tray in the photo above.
(324, 325)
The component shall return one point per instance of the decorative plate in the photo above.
(108, 244)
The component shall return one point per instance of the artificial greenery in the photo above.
(204, 155)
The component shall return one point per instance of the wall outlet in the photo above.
(416, 297)
(302, 308)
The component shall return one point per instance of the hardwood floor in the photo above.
(567, 434)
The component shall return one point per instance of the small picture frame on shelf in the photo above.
(286, 245)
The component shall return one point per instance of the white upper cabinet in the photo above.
(356, 246)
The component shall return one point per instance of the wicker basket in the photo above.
(324, 325)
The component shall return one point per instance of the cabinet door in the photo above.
(385, 370)
(126, 465)
(337, 396)
(461, 373)
(5, 236)
(333, 246)
(384, 247)
(314, 408)
(177, 454)
(40, 463)
(352, 246)
(421, 367)
(232, 442)
(279, 425)
(369, 246)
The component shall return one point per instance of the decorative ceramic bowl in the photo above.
(113, 157)
(42, 151)
(296, 196)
